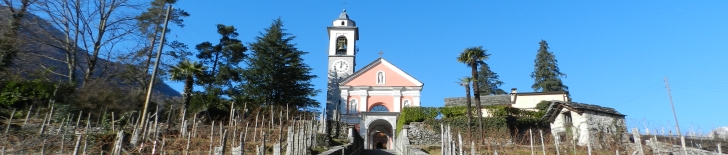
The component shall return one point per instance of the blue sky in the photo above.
(615, 53)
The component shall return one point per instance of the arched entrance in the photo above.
(380, 134)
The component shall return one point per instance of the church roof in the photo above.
(484, 100)
(556, 106)
(386, 63)
(343, 15)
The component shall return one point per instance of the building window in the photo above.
(567, 118)
(353, 106)
(381, 77)
(406, 103)
(379, 108)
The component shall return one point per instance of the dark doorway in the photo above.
(380, 140)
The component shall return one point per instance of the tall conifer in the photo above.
(546, 73)
(277, 74)
(489, 82)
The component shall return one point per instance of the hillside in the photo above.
(40, 57)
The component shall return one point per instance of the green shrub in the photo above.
(543, 105)
(461, 123)
(416, 114)
(505, 119)
(454, 111)
(20, 94)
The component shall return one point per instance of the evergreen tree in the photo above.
(546, 73)
(222, 59)
(276, 73)
(489, 82)
(150, 24)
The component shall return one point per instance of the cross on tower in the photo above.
(380, 54)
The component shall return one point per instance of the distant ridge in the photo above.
(28, 60)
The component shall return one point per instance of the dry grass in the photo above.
(27, 140)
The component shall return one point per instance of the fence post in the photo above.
(557, 139)
(543, 146)
(637, 139)
(460, 141)
(10, 121)
(442, 139)
(719, 149)
(530, 136)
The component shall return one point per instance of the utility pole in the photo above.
(142, 121)
(677, 125)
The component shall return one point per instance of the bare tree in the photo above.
(88, 28)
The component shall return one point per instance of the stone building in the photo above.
(529, 100)
(585, 123)
(370, 98)
(582, 122)
(525, 101)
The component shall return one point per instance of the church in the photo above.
(370, 98)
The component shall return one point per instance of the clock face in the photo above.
(340, 66)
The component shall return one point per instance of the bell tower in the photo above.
(342, 50)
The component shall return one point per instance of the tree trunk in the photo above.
(8, 48)
(476, 94)
(189, 83)
(470, 109)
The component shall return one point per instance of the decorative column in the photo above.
(345, 101)
(364, 130)
(351, 132)
(397, 102)
(394, 129)
(416, 99)
(363, 95)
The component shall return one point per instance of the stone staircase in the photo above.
(378, 152)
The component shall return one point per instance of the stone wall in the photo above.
(337, 129)
(589, 126)
(419, 135)
(404, 147)
(597, 125)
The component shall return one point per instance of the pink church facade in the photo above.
(376, 95)
(370, 98)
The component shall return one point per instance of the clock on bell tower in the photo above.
(343, 35)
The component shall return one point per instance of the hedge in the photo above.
(416, 114)
(454, 111)
(505, 119)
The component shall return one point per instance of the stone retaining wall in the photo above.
(404, 145)
(419, 135)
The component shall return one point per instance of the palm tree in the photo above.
(465, 82)
(472, 57)
(186, 71)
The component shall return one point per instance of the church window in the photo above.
(342, 22)
(381, 77)
(353, 106)
(379, 108)
(406, 103)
